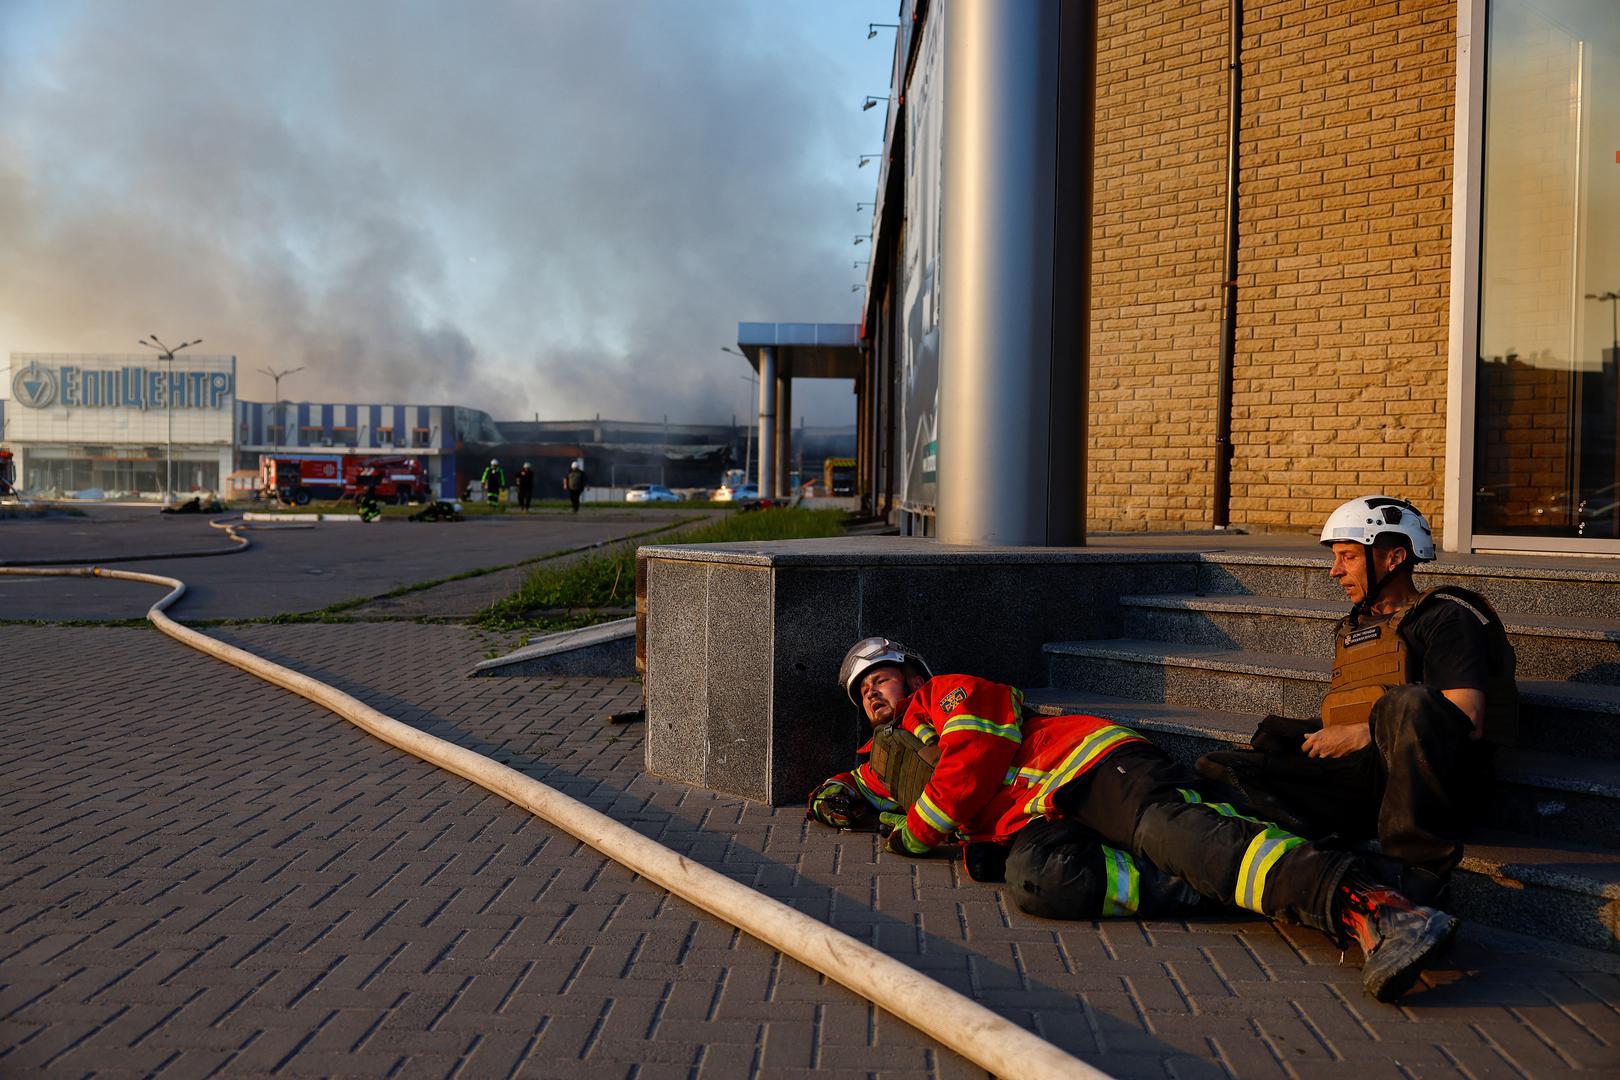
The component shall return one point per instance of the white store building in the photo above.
(118, 425)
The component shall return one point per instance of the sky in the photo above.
(558, 208)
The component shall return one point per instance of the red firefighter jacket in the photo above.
(998, 768)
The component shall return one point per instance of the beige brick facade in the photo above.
(1344, 258)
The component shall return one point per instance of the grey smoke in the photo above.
(519, 205)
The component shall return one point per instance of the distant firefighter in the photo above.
(525, 486)
(575, 482)
(494, 481)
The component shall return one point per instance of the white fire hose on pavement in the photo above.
(973, 1031)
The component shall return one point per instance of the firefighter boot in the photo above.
(1399, 938)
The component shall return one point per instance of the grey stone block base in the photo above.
(744, 640)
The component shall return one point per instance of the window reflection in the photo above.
(1547, 460)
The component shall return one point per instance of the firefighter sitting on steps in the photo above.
(1043, 786)
(1422, 693)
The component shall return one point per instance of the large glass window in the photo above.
(1547, 445)
(100, 473)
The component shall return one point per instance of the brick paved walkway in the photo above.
(201, 874)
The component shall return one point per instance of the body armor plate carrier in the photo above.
(1371, 657)
(903, 762)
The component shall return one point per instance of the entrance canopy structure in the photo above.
(782, 352)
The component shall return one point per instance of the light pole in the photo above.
(748, 432)
(1612, 298)
(281, 421)
(166, 354)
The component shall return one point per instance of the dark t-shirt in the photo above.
(1448, 645)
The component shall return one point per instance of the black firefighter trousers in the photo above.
(1139, 799)
(1414, 788)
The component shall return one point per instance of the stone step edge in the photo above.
(1503, 859)
(1331, 611)
(1442, 568)
(1592, 697)
(1529, 768)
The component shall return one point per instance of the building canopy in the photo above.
(806, 350)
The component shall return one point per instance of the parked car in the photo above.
(740, 493)
(650, 493)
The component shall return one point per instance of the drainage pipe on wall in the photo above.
(1222, 494)
(953, 1020)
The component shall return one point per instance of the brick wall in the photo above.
(1156, 270)
(1344, 258)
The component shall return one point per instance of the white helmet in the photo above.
(1363, 520)
(872, 652)
(494, 461)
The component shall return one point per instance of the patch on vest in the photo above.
(951, 700)
(1366, 633)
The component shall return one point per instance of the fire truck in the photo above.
(8, 475)
(299, 479)
(393, 479)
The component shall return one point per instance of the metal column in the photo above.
(1012, 409)
(863, 427)
(767, 422)
(784, 429)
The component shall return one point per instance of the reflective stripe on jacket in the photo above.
(998, 768)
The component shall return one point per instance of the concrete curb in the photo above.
(606, 649)
(305, 519)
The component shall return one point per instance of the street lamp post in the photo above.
(281, 417)
(1612, 298)
(748, 434)
(166, 354)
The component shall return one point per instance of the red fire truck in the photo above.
(300, 479)
(395, 479)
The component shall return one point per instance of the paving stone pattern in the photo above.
(203, 875)
(294, 568)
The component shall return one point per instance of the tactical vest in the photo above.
(903, 762)
(1370, 658)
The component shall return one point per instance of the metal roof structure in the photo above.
(805, 350)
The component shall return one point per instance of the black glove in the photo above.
(1282, 734)
(834, 803)
(986, 861)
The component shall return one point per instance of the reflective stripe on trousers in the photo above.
(1124, 888)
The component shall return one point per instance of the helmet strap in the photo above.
(1357, 610)
(1375, 584)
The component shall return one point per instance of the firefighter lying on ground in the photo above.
(1055, 868)
(1024, 783)
(1422, 693)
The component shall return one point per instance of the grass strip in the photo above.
(608, 579)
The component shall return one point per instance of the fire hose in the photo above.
(242, 544)
(955, 1021)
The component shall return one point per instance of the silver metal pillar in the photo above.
(784, 431)
(767, 422)
(997, 417)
